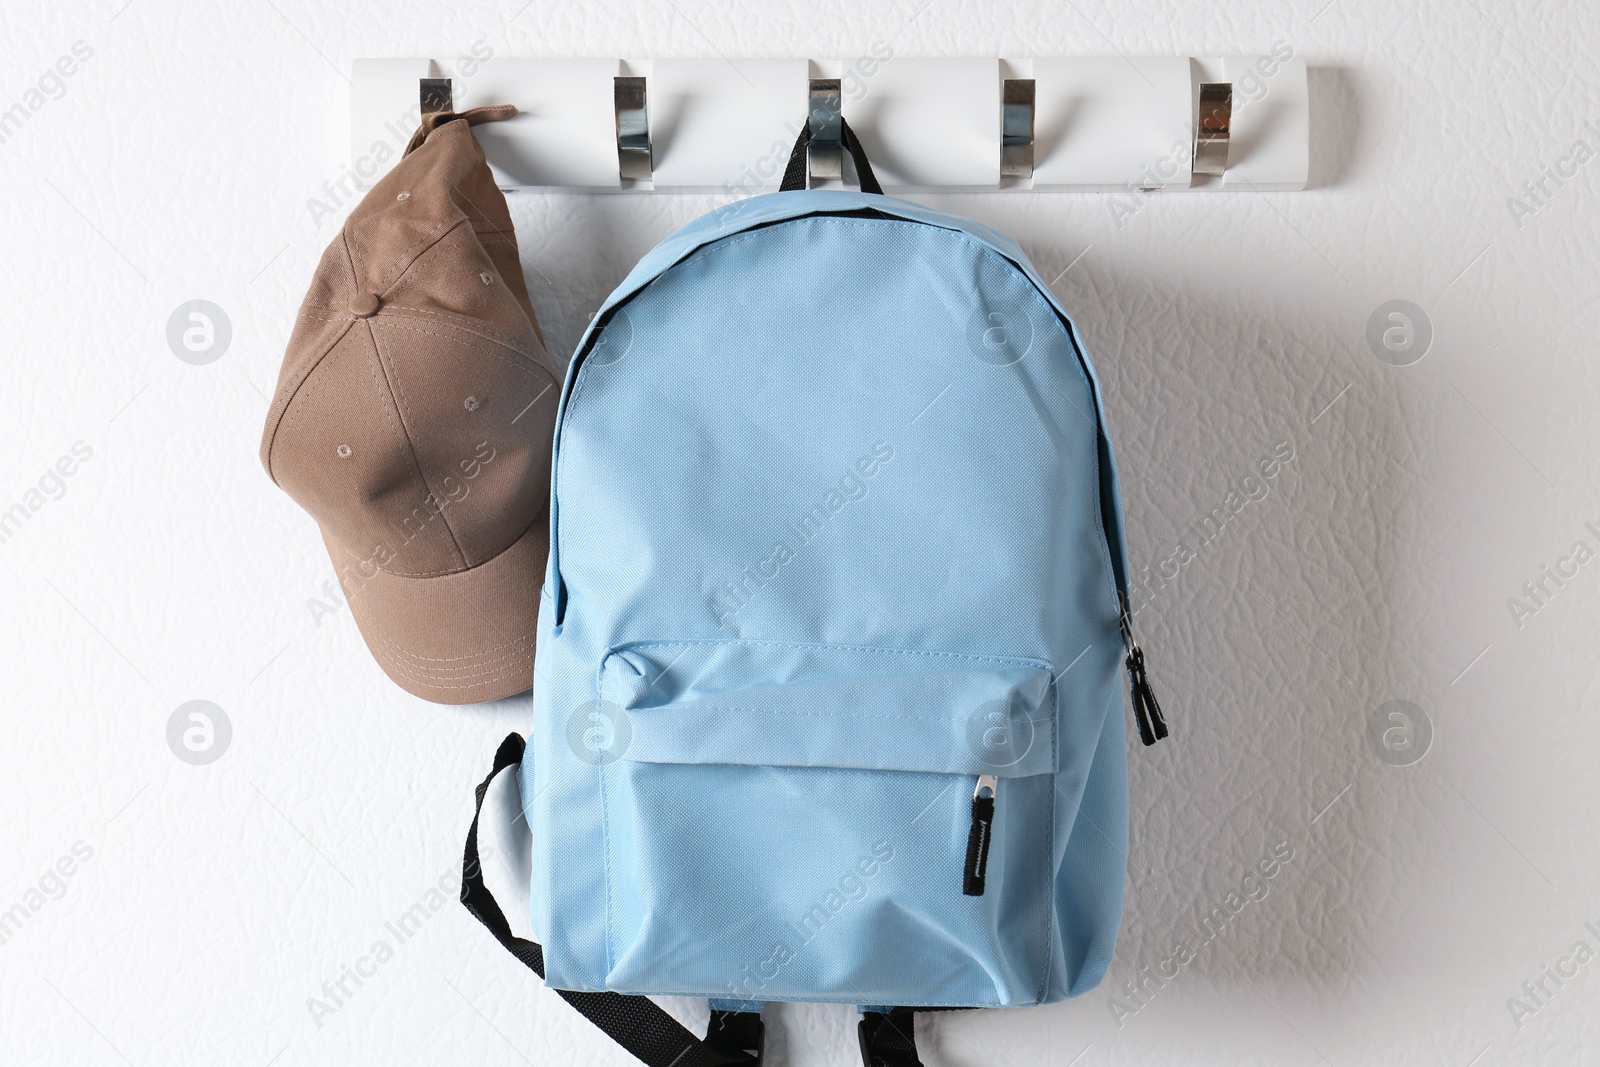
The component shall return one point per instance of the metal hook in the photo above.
(633, 130)
(436, 96)
(825, 153)
(1211, 131)
(1016, 128)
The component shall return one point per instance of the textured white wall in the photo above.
(207, 904)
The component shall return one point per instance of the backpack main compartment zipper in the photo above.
(1146, 709)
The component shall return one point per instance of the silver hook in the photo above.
(633, 130)
(825, 153)
(1211, 129)
(1016, 128)
(436, 96)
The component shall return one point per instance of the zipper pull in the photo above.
(1146, 709)
(978, 836)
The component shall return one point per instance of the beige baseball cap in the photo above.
(413, 421)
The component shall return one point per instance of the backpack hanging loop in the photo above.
(799, 171)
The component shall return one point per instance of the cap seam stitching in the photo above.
(502, 665)
(506, 651)
(290, 413)
(473, 683)
(411, 439)
(454, 319)
(442, 231)
(510, 233)
(527, 367)
(422, 248)
(473, 566)
(468, 324)
(288, 401)
(514, 651)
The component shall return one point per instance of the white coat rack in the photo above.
(696, 125)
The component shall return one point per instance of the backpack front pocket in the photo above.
(828, 822)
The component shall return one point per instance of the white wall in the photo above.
(216, 900)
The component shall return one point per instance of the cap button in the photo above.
(365, 306)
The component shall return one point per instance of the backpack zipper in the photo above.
(1152, 728)
(1146, 709)
(978, 837)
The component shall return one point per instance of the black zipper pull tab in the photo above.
(1146, 709)
(978, 836)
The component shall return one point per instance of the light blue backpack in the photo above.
(827, 697)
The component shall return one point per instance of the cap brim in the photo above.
(454, 638)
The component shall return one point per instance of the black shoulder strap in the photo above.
(889, 1038)
(795, 175)
(635, 1023)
